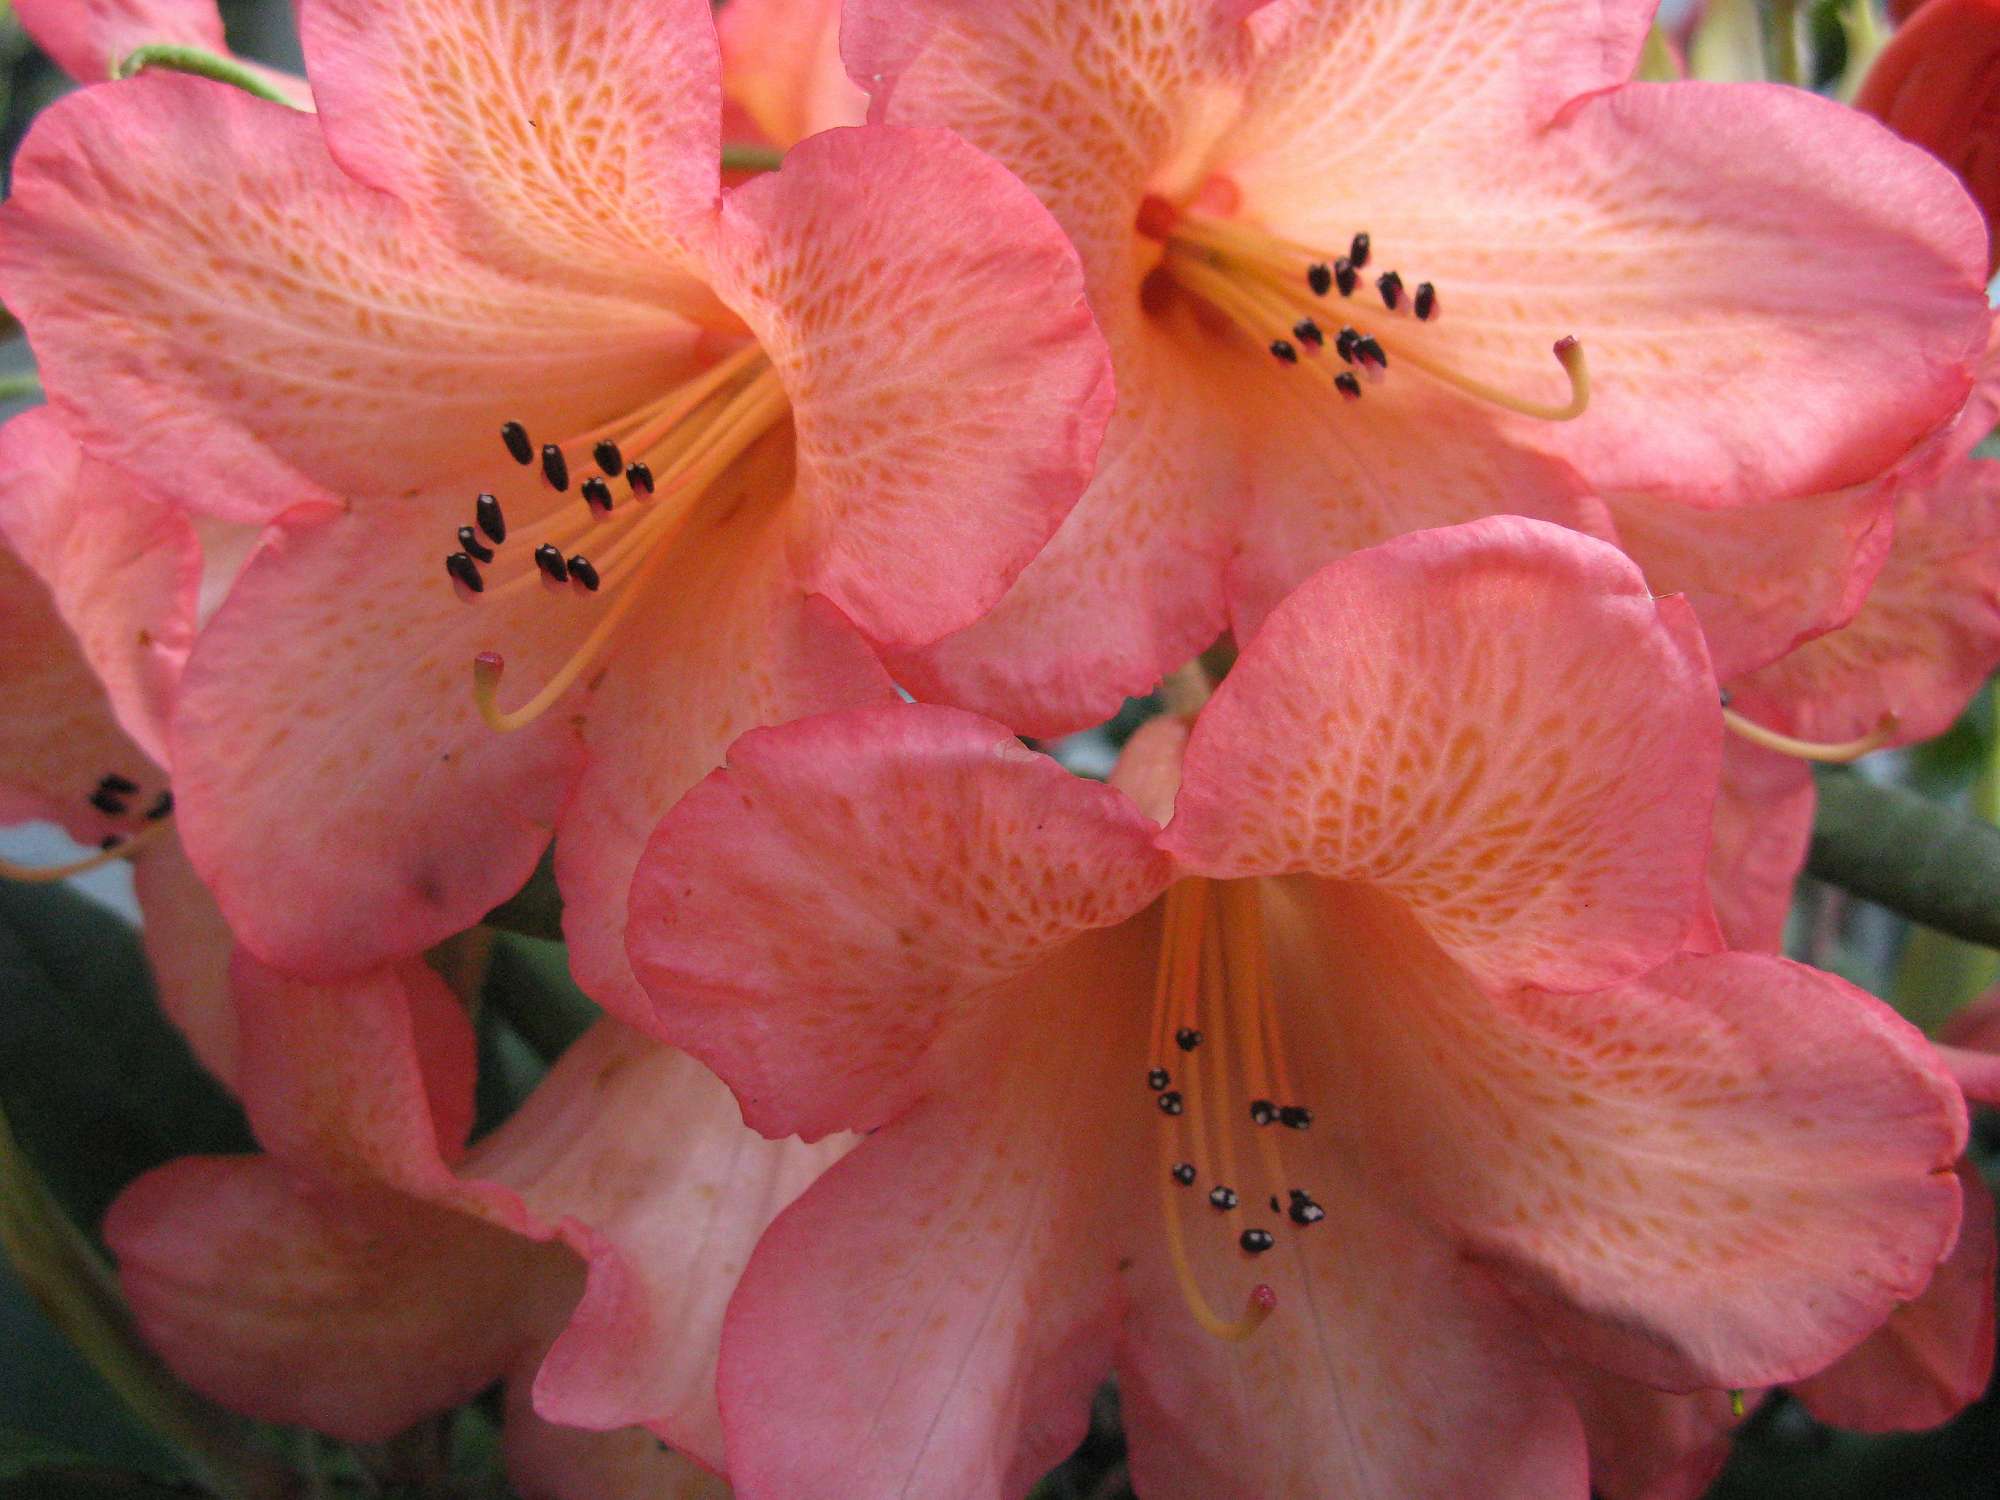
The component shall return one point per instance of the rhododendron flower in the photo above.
(1333, 245)
(671, 457)
(1934, 84)
(1389, 1017)
(371, 1271)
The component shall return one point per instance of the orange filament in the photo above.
(1212, 1031)
(1260, 282)
(690, 439)
(1827, 754)
(123, 849)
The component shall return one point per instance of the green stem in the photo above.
(1785, 60)
(200, 62)
(742, 158)
(1920, 859)
(79, 1295)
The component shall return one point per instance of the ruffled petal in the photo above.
(1923, 642)
(1934, 1356)
(732, 645)
(1130, 586)
(637, 1158)
(337, 787)
(1762, 577)
(218, 308)
(573, 144)
(1758, 325)
(356, 1312)
(1725, 1173)
(122, 569)
(810, 918)
(1388, 1367)
(1763, 825)
(932, 1317)
(781, 67)
(948, 385)
(1498, 724)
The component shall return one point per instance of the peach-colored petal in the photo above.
(1724, 1173)
(188, 947)
(1497, 723)
(219, 308)
(356, 1312)
(1708, 245)
(1925, 638)
(337, 787)
(639, 1157)
(572, 143)
(1763, 824)
(932, 1317)
(781, 66)
(1390, 1366)
(1935, 1354)
(734, 645)
(928, 320)
(809, 919)
(1761, 577)
(1648, 1444)
(121, 569)
(1130, 586)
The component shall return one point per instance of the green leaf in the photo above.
(536, 909)
(529, 986)
(1922, 860)
(97, 1083)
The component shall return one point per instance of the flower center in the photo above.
(611, 527)
(1276, 292)
(1223, 1090)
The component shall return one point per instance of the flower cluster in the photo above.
(668, 458)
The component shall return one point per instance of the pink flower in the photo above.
(1436, 847)
(843, 403)
(371, 1271)
(781, 71)
(1758, 324)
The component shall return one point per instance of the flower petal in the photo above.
(355, 1312)
(121, 569)
(637, 1154)
(571, 143)
(548, 1461)
(948, 385)
(808, 920)
(219, 308)
(781, 66)
(1333, 1395)
(731, 645)
(1648, 1444)
(1494, 722)
(188, 947)
(1758, 325)
(1925, 638)
(1934, 1356)
(932, 1316)
(1725, 1173)
(337, 787)
(1130, 586)
(1763, 825)
(87, 38)
(1762, 577)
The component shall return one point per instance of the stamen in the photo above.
(1369, 351)
(1159, 1079)
(1184, 1173)
(108, 802)
(1358, 251)
(469, 543)
(1306, 331)
(163, 807)
(117, 785)
(640, 477)
(113, 849)
(1284, 351)
(1347, 385)
(1834, 754)
(609, 459)
(1187, 1039)
(1390, 285)
(1426, 302)
(486, 511)
(515, 436)
(1344, 342)
(1256, 1241)
(1320, 278)
(597, 495)
(1346, 275)
(549, 558)
(1569, 354)
(555, 468)
(1171, 1102)
(465, 573)
(1222, 1199)
(581, 570)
